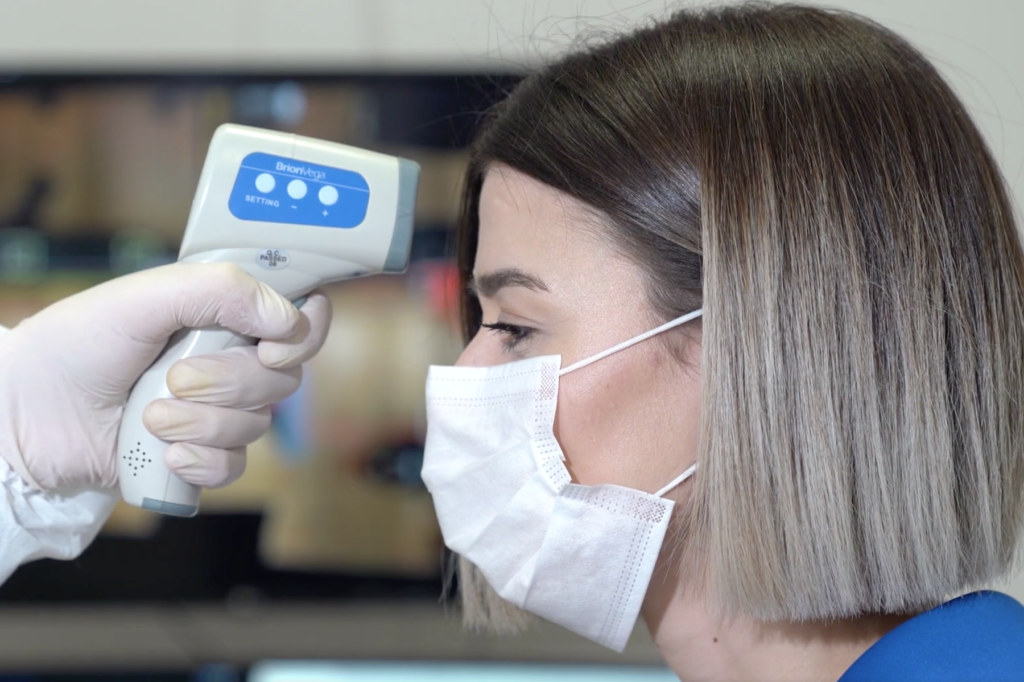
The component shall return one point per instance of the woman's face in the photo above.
(550, 283)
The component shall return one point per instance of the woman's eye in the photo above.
(513, 334)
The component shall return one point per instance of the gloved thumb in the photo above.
(197, 295)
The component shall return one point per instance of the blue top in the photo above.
(979, 636)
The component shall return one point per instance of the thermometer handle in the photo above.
(141, 470)
(145, 480)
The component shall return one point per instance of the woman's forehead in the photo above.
(523, 220)
(532, 229)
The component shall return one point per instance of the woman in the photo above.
(763, 265)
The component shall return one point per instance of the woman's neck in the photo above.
(699, 647)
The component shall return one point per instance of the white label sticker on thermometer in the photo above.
(272, 259)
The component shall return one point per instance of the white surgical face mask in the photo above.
(578, 555)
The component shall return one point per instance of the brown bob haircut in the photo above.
(809, 179)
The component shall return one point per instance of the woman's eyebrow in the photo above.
(488, 284)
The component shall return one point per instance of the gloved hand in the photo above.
(65, 374)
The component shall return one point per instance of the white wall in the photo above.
(975, 42)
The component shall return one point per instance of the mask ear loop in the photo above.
(677, 480)
(631, 342)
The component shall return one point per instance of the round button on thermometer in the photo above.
(296, 189)
(265, 182)
(328, 195)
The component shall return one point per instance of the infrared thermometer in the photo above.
(293, 212)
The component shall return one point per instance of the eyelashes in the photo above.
(512, 335)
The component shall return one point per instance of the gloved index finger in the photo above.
(195, 295)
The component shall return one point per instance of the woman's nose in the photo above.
(481, 352)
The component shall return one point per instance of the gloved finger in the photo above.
(204, 466)
(218, 427)
(308, 338)
(194, 295)
(232, 378)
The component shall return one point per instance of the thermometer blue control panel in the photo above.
(276, 189)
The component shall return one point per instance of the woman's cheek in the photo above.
(585, 424)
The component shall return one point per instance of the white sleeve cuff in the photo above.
(38, 524)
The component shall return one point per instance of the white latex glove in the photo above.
(65, 374)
